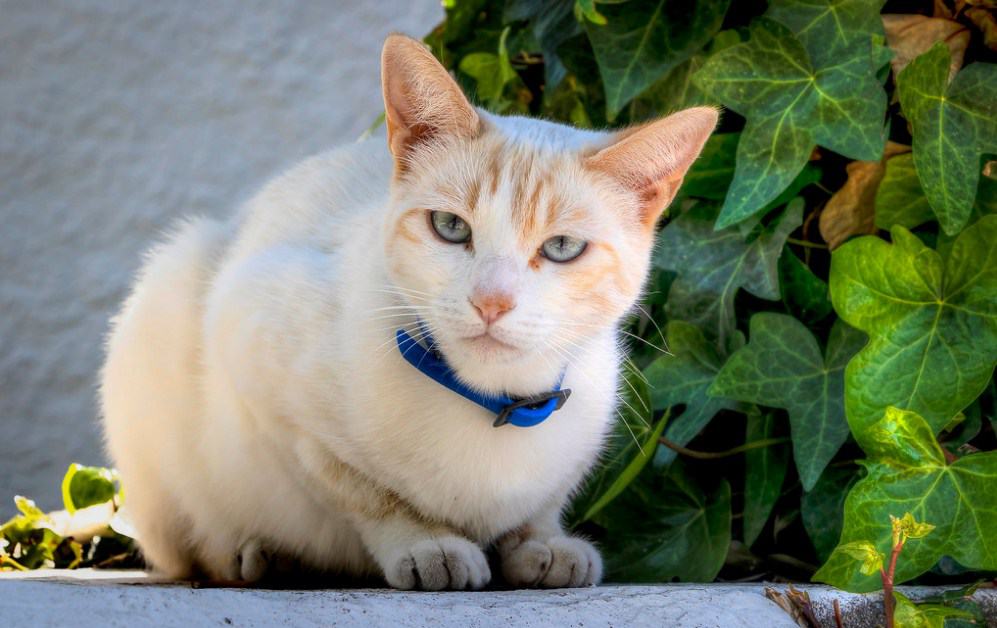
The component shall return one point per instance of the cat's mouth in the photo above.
(487, 342)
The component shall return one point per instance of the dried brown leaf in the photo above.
(984, 20)
(911, 35)
(942, 9)
(790, 606)
(851, 211)
(802, 601)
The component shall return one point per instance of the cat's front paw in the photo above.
(561, 561)
(449, 562)
(253, 561)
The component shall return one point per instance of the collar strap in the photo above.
(519, 412)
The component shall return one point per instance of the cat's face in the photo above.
(506, 250)
(514, 240)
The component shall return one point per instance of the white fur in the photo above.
(253, 354)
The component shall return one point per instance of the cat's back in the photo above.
(316, 201)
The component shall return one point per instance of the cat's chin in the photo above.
(490, 350)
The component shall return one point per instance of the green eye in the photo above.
(563, 248)
(450, 227)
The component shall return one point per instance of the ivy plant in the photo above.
(797, 376)
(90, 531)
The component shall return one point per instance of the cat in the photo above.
(257, 403)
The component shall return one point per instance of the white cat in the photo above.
(255, 400)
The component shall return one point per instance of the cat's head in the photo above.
(515, 240)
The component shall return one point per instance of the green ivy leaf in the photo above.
(832, 30)
(86, 486)
(28, 509)
(666, 526)
(907, 472)
(644, 39)
(900, 199)
(712, 172)
(988, 403)
(552, 22)
(870, 560)
(491, 71)
(932, 324)
(632, 445)
(30, 536)
(764, 472)
(952, 125)
(961, 599)
(782, 367)
(588, 11)
(911, 615)
(683, 378)
(985, 205)
(676, 89)
(805, 294)
(793, 102)
(822, 509)
(712, 266)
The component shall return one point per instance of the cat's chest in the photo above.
(440, 452)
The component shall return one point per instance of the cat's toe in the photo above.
(254, 561)
(442, 563)
(561, 561)
(527, 564)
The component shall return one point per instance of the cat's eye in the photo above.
(450, 227)
(563, 248)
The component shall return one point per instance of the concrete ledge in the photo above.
(109, 598)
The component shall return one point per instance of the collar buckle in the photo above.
(547, 403)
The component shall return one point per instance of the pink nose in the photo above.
(491, 307)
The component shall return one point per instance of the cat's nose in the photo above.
(492, 306)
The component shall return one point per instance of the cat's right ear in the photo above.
(421, 101)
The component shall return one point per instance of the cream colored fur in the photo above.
(256, 405)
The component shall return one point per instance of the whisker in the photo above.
(398, 290)
(395, 315)
(661, 334)
(622, 331)
(647, 342)
(628, 364)
(619, 397)
(402, 307)
(637, 395)
(630, 429)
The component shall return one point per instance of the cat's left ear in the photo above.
(422, 103)
(652, 159)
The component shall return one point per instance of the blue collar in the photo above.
(519, 412)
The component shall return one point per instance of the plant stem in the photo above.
(888, 603)
(713, 455)
(806, 243)
(13, 563)
(837, 615)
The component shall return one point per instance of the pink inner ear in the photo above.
(421, 100)
(652, 159)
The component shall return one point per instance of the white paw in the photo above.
(254, 561)
(561, 561)
(448, 562)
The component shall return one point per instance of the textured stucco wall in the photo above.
(117, 117)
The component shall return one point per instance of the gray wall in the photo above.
(116, 117)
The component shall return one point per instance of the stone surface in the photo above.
(85, 602)
(116, 118)
(110, 598)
